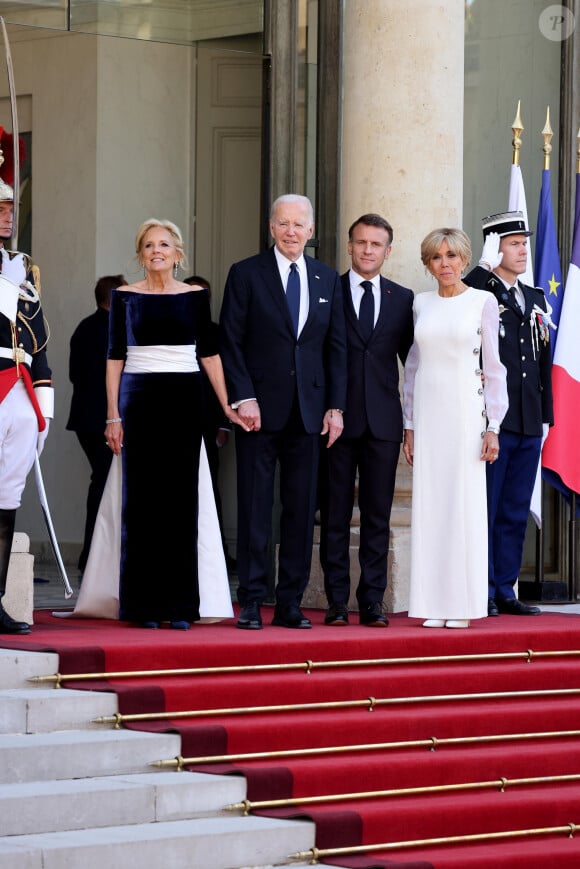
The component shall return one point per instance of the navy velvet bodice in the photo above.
(142, 319)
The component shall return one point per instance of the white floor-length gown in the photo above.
(446, 405)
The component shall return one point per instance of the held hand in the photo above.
(114, 436)
(236, 417)
(409, 445)
(42, 435)
(332, 425)
(489, 447)
(490, 255)
(249, 412)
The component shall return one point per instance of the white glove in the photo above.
(41, 438)
(490, 255)
(545, 431)
(14, 268)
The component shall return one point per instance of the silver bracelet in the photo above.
(114, 419)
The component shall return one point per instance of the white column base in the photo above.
(19, 598)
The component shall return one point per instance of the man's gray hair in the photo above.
(293, 197)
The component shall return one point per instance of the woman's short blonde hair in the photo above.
(171, 228)
(457, 241)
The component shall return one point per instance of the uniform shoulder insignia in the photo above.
(540, 290)
(36, 278)
(493, 282)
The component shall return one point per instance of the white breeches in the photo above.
(18, 437)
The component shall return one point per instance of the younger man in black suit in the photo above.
(379, 330)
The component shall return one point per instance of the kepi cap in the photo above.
(505, 223)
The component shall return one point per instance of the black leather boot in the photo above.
(7, 623)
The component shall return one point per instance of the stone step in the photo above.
(212, 843)
(42, 710)
(400, 518)
(17, 667)
(81, 754)
(76, 804)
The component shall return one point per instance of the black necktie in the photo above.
(366, 314)
(515, 297)
(293, 295)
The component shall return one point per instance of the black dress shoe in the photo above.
(290, 617)
(373, 616)
(337, 615)
(515, 607)
(492, 609)
(249, 618)
(9, 626)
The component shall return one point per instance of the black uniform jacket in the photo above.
(523, 352)
(31, 336)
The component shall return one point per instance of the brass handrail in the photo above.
(315, 853)
(369, 703)
(247, 806)
(307, 666)
(431, 743)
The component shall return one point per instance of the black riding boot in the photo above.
(7, 623)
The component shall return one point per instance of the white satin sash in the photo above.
(161, 358)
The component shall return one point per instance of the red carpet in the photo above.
(424, 702)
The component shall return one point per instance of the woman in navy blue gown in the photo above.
(159, 328)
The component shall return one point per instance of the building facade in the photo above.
(202, 111)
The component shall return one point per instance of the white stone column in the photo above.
(402, 156)
(402, 142)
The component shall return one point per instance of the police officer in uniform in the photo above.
(26, 394)
(524, 350)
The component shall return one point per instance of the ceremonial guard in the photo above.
(26, 394)
(524, 335)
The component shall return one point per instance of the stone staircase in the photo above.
(75, 794)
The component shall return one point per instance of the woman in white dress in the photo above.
(447, 441)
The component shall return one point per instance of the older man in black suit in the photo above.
(284, 354)
(379, 329)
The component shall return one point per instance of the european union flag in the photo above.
(547, 262)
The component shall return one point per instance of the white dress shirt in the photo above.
(357, 292)
(284, 269)
(519, 293)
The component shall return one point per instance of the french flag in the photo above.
(561, 452)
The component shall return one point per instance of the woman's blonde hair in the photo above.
(457, 241)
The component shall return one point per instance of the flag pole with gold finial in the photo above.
(547, 134)
(517, 128)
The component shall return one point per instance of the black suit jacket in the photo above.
(87, 370)
(262, 357)
(373, 371)
(529, 368)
